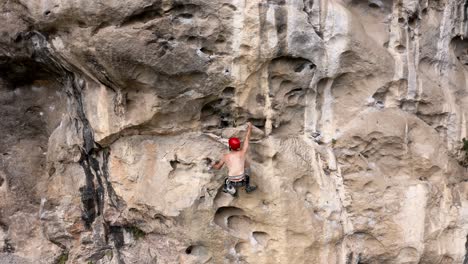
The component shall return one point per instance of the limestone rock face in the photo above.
(112, 112)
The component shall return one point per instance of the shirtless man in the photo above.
(238, 168)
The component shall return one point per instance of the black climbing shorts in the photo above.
(237, 183)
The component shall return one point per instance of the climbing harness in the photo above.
(232, 182)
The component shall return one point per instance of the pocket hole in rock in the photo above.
(238, 222)
(260, 237)
(220, 39)
(260, 98)
(1, 181)
(188, 250)
(258, 122)
(240, 247)
(206, 51)
(174, 164)
(294, 93)
(226, 120)
(186, 15)
(192, 39)
(400, 48)
(81, 24)
(229, 91)
(207, 110)
(52, 171)
(200, 252)
(224, 213)
(224, 123)
(302, 66)
(231, 6)
(412, 20)
(300, 185)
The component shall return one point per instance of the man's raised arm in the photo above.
(245, 147)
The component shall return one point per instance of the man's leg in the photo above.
(248, 187)
(229, 188)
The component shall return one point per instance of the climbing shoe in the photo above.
(230, 189)
(250, 189)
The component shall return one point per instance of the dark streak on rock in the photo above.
(91, 197)
(465, 7)
(281, 15)
(116, 201)
(117, 236)
(465, 261)
(349, 258)
(93, 192)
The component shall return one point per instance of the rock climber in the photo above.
(238, 168)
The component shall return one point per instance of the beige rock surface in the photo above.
(111, 112)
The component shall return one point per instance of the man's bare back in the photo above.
(235, 160)
(235, 163)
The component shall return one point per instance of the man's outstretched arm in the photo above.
(245, 147)
(218, 164)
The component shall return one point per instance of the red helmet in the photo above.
(234, 143)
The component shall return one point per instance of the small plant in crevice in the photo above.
(110, 254)
(62, 259)
(7, 246)
(333, 142)
(465, 145)
(136, 232)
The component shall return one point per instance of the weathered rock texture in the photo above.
(112, 110)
